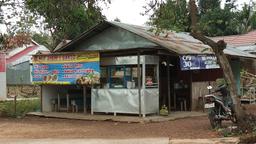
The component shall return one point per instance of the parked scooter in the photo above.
(219, 107)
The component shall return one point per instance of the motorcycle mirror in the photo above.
(209, 87)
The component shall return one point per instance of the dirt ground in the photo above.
(36, 127)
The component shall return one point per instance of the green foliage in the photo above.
(218, 22)
(247, 18)
(213, 20)
(23, 107)
(226, 132)
(43, 39)
(171, 15)
(66, 19)
(16, 17)
(207, 5)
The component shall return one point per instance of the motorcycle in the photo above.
(219, 108)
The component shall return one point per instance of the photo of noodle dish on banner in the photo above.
(66, 69)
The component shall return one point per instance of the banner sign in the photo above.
(66, 58)
(2, 62)
(196, 62)
(82, 68)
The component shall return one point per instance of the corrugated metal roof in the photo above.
(246, 48)
(180, 43)
(238, 53)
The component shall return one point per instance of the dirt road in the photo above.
(35, 127)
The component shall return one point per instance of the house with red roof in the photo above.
(245, 43)
(18, 63)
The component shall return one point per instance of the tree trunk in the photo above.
(221, 57)
(226, 68)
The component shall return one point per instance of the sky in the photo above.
(129, 11)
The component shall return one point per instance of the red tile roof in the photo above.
(239, 40)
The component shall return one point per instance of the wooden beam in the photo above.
(41, 97)
(191, 90)
(130, 52)
(67, 96)
(139, 81)
(168, 84)
(58, 91)
(84, 95)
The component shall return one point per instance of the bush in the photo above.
(22, 107)
(248, 139)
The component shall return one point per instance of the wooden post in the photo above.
(58, 99)
(41, 97)
(139, 82)
(15, 105)
(84, 94)
(191, 90)
(67, 102)
(168, 84)
(174, 99)
(143, 86)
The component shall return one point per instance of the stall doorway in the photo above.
(175, 83)
(182, 91)
(166, 83)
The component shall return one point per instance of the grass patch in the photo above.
(22, 107)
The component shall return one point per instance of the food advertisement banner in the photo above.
(66, 58)
(196, 62)
(66, 69)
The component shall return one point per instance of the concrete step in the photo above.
(230, 140)
(87, 141)
(166, 140)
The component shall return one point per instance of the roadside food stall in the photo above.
(138, 72)
(128, 83)
(83, 81)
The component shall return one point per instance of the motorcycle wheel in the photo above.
(214, 122)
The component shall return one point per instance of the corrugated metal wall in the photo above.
(19, 74)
